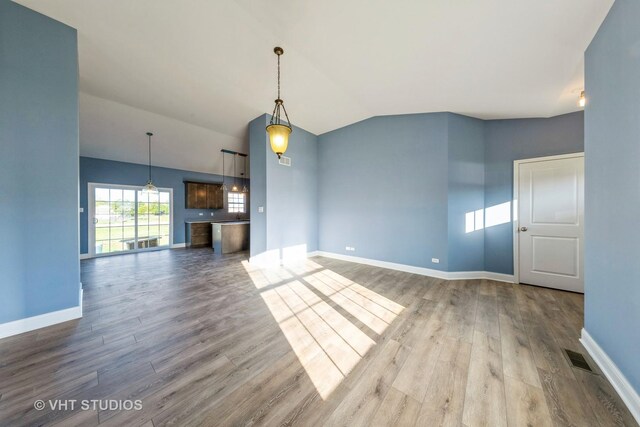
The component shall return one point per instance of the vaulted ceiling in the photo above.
(197, 71)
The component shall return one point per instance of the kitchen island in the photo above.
(230, 236)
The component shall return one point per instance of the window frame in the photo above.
(232, 205)
(91, 202)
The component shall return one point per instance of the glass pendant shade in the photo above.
(279, 138)
(224, 187)
(278, 132)
(245, 189)
(149, 188)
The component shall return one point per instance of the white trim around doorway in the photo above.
(514, 203)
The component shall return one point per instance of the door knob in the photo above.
(523, 228)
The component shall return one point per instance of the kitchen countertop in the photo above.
(239, 222)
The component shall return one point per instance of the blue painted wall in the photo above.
(258, 173)
(39, 266)
(292, 194)
(112, 172)
(383, 189)
(289, 194)
(465, 192)
(509, 140)
(612, 186)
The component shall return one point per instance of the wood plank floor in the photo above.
(201, 339)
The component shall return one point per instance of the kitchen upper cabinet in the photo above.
(204, 196)
(215, 198)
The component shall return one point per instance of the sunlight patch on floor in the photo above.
(327, 344)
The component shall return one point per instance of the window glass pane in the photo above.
(164, 197)
(115, 195)
(154, 218)
(102, 194)
(116, 233)
(102, 246)
(115, 209)
(143, 213)
(102, 233)
(143, 231)
(129, 233)
(128, 213)
(129, 196)
(143, 197)
(102, 208)
(116, 246)
(165, 230)
(153, 197)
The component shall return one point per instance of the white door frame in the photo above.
(515, 206)
(91, 201)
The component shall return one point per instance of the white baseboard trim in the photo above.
(617, 379)
(178, 245)
(445, 275)
(36, 322)
(85, 256)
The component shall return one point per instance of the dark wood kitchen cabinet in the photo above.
(198, 234)
(215, 196)
(204, 196)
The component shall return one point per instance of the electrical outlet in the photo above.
(435, 260)
(81, 210)
(211, 213)
(261, 209)
(200, 213)
(349, 248)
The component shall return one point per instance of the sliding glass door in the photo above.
(125, 219)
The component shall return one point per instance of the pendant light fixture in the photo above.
(279, 132)
(245, 189)
(149, 187)
(224, 186)
(235, 185)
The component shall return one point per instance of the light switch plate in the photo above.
(435, 260)
(261, 209)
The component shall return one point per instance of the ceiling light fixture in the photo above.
(279, 132)
(149, 187)
(583, 101)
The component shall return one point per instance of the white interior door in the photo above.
(550, 222)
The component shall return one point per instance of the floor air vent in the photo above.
(578, 360)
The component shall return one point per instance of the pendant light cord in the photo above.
(278, 76)
(149, 135)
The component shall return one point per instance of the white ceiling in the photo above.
(197, 71)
